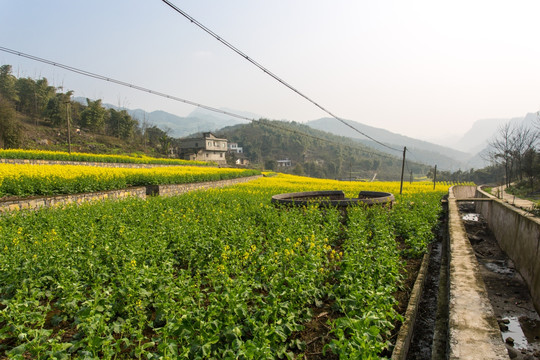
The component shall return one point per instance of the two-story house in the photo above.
(234, 148)
(204, 148)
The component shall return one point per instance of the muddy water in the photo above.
(425, 329)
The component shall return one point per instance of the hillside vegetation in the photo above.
(316, 153)
(36, 115)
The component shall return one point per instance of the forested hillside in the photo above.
(36, 115)
(316, 153)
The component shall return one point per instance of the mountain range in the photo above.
(464, 153)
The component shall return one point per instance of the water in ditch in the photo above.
(508, 293)
(425, 343)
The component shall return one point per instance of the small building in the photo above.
(242, 161)
(204, 148)
(284, 163)
(234, 148)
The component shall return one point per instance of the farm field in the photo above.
(220, 273)
(75, 156)
(26, 180)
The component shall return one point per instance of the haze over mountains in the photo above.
(463, 153)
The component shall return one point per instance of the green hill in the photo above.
(315, 153)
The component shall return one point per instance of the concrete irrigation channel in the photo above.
(480, 295)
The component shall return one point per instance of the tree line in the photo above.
(314, 153)
(42, 102)
(515, 149)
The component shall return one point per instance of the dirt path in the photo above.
(501, 193)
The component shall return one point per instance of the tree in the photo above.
(298, 170)
(500, 151)
(93, 117)
(7, 84)
(43, 92)
(56, 109)
(121, 124)
(10, 132)
(270, 164)
(522, 141)
(531, 166)
(26, 88)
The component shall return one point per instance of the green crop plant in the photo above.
(220, 273)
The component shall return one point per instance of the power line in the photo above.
(123, 83)
(210, 108)
(264, 123)
(268, 72)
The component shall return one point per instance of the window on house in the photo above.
(206, 154)
(221, 155)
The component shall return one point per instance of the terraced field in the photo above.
(219, 273)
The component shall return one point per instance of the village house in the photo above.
(284, 163)
(234, 148)
(241, 160)
(204, 148)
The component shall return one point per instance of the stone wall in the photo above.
(81, 163)
(139, 192)
(50, 201)
(177, 189)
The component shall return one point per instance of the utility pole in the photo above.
(411, 178)
(68, 126)
(35, 107)
(402, 170)
(434, 177)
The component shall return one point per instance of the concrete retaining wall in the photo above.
(140, 192)
(177, 189)
(50, 201)
(518, 234)
(473, 329)
(82, 163)
(464, 191)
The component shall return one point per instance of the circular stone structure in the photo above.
(333, 198)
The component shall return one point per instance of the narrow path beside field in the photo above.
(512, 199)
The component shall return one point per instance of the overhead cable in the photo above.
(364, 151)
(123, 83)
(140, 88)
(268, 72)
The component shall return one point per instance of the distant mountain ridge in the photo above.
(422, 151)
(464, 153)
(197, 121)
(476, 140)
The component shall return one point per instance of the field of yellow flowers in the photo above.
(76, 156)
(24, 180)
(219, 274)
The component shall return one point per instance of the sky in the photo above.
(426, 69)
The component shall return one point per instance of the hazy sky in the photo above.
(425, 69)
